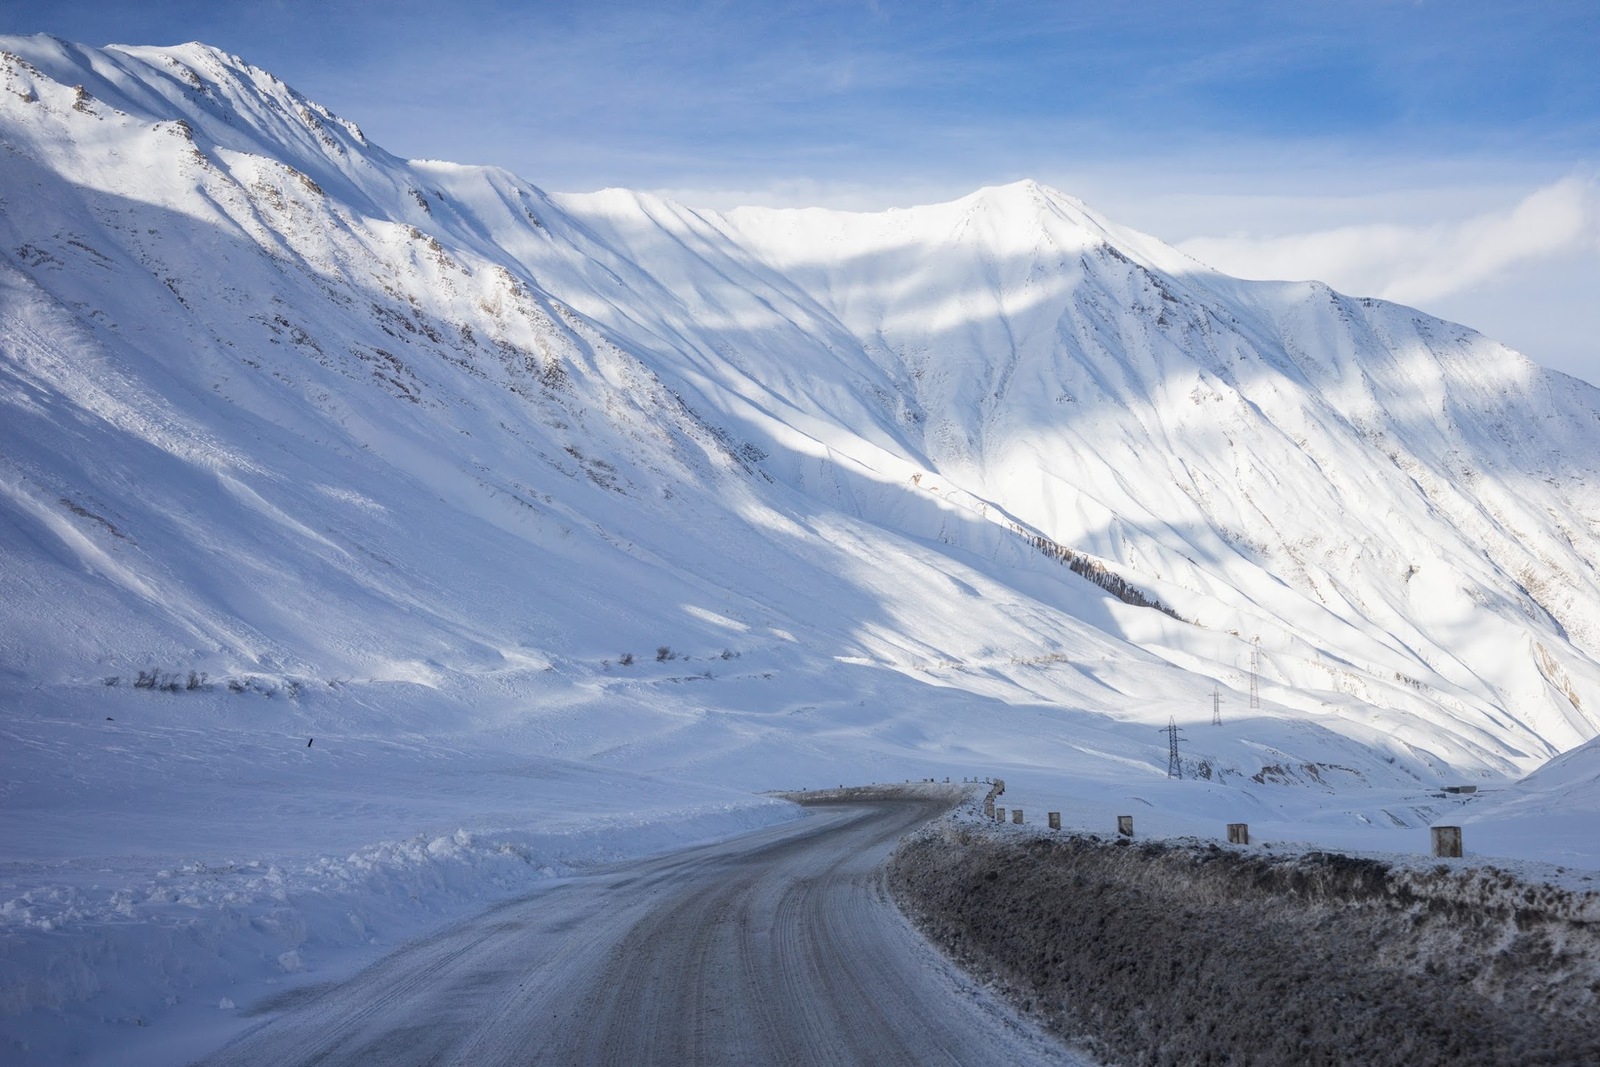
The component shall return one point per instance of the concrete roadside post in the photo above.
(1125, 825)
(1016, 816)
(1447, 841)
(1238, 833)
(1055, 820)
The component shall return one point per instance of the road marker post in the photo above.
(1055, 820)
(1447, 842)
(1238, 833)
(1125, 825)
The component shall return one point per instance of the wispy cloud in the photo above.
(1420, 264)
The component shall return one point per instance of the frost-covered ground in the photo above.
(1487, 958)
(1178, 950)
(565, 524)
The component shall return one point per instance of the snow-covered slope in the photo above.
(385, 451)
(1552, 815)
(280, 405)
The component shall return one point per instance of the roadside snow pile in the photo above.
(1184, 952)
(421, 872)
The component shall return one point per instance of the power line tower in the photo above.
(1255, 672)
(1216, 705)
(1174, 767)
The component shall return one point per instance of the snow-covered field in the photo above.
(170, 864)
(566, 524)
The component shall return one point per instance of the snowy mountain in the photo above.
(300, 439)
(255, 363)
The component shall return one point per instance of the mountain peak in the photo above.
(984, 442)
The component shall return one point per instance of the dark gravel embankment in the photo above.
(1188, 953)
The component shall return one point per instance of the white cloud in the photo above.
(840, 195)
(1419, 264)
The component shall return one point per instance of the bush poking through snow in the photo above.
(199, 681)
(167, 683)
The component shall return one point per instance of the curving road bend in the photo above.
(778, 947)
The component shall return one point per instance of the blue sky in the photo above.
(1443, 153)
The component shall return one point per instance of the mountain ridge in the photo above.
(1047, 380)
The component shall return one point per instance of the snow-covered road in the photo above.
(776, 947)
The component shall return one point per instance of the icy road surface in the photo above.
(778, 947)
